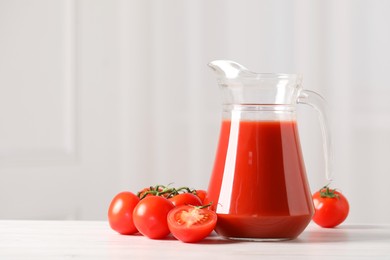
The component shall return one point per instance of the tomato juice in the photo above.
(258, 185)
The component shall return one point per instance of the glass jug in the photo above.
(258, 186)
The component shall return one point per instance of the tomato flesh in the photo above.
(191, 224)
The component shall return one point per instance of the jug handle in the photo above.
(316, 101)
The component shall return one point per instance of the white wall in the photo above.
(101, 96)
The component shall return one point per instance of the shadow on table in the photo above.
(347, 233)
(350, 233)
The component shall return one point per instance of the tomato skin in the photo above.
(151, 191)
(144, 193)
(120, 213)
(186, 199)
(330, 212)
(201, 195)
(191, 224)
(150, 216)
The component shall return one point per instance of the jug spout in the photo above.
(242, 86)
(228, 69)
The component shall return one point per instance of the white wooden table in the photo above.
(95, 240)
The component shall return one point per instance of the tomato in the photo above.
(146, 192)
(186, 199)
(201, 194)
(120, 213)
(150, 216)
(331, 207)
(191, 224)
(158, 190)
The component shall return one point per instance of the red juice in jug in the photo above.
(258, 185)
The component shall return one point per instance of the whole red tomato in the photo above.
(331, 207)
(201, 194)
(186, 199)
(150, 216)
(120, 213)
(191, 224)
(153, 191)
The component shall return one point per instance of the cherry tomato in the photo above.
(201, 194)
(331, 207)
(191, 224)
(145, 192)
(186, 199)
(152, 191)
(120, 213)
(150, 216)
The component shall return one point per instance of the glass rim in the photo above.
(272, 75)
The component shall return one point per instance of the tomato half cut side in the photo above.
(191, 224)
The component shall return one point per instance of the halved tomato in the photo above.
(191, 224)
